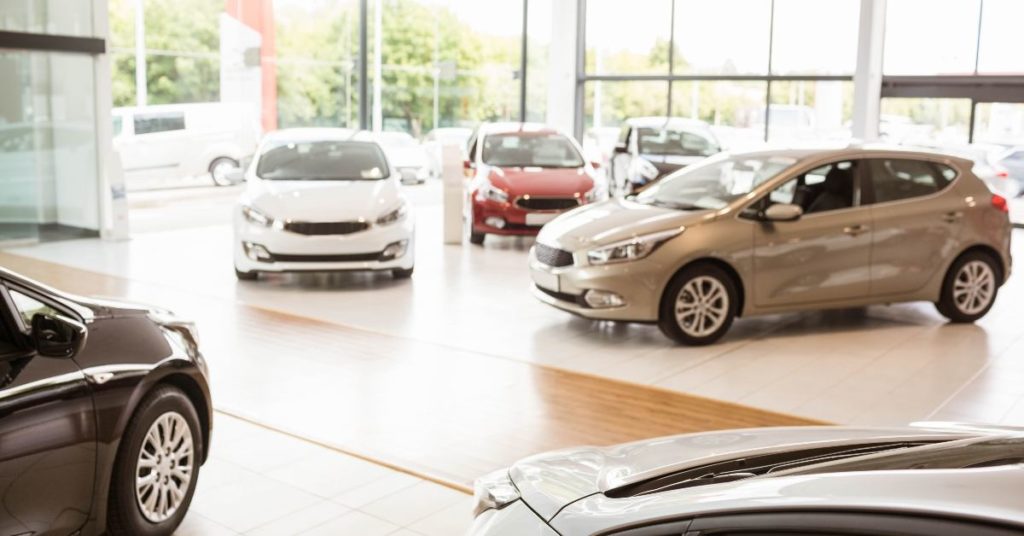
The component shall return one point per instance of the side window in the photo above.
(829, 187)
(28, 307)
(894, 179)
(471, 148)
(162, 122)
(694, 144)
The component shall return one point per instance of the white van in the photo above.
(176, 141)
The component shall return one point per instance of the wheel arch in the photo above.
(718, 263)
(191, 388)
(984, 249)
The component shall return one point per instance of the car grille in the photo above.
(326, 228)
(349, 257)
(548, 203)
(552, 256)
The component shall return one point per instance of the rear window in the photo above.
(322, 160)
(675, 143)
(895, 179)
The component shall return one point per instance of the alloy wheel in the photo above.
(702, 306)
(164, 468)
(974, 287)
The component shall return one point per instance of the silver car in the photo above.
(778, 231)
(926, 480)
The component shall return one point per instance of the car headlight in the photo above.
(632, 249)
(489, 191)
(395, 215)
(493, 491)
(642, 171)
(257, 217)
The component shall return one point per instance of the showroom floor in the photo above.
(460, 370)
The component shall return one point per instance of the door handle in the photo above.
(952, 217)
(855, 230)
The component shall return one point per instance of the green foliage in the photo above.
(182, 37)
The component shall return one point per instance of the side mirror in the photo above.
(595, 164)
(468, 168)
(57, 336)
(621, 148)
(783, 212)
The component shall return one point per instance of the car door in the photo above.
(822, 257)
(917, 222)
(47, 429)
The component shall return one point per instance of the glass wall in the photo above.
(721, 62)
(58, 17)
(48, 169)
(943, 42)
(925, 121)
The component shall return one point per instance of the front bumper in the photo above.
(638, 283)
(293, 252)
(518, 221)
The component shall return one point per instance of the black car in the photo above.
(650, 148)
(104, 414)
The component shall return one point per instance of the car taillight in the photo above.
(999, 202)
(1003, 174)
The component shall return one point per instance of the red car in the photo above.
(523, 176)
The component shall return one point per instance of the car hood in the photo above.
(549, 482)
(612, 221)
(537, 181)
(324, 200)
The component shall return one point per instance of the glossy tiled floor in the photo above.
(878, 365)
(261, 482)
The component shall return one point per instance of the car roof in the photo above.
(661, 122)
(513, 127)
(850, 150)
(317, 134)
(990, 493)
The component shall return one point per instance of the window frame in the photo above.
(159, 117)
(859, 201)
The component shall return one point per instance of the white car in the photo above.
(174, 141)
(322, 200)
(928, 479)
(435, 140)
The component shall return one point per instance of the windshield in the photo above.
(322, 160)
(714, 183)
(675, 143)
(530, 150)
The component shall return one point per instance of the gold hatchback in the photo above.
(778, 231)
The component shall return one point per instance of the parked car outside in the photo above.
(435, 140)
(322, 200)
(105, 414)
(407, 156)
(925, 480)
(650, 148)
(175, 141)
(1012, 161)
(767, 232)
(522, 175)
(990, 165)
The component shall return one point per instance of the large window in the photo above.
(1002, 42)
(722, 62)
(930, 37)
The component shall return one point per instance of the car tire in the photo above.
(162, 411)
(970, 288)
(477, 239)
(246, 276)
(691, 319)
(402, 273)
(217, 165)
